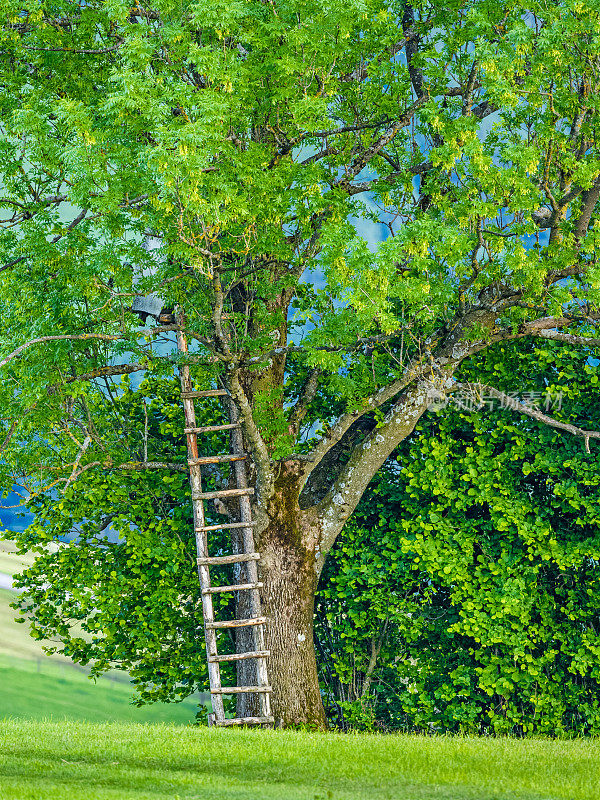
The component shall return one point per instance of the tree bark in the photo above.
(290, 582)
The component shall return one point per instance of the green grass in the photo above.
(62, 692)
(136, 762)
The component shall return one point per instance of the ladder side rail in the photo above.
(210, 636)
(237, 447)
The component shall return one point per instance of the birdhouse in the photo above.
(147, 306)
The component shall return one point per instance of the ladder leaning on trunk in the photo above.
(247, 557)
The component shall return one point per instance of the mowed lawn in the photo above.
(83, 761)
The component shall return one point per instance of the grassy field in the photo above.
(36, 686)
(58, 693)
(39, 761)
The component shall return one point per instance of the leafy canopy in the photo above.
(150, 148)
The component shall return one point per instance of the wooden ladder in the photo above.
(247, 557)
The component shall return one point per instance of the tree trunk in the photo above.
(290, 582)
(287, 570)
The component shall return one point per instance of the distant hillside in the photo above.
(34, 685)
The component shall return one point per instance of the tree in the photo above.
(226, 157)
(462, 594)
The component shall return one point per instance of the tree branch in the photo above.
(545, 328)
(327, 151)
(265, 478)
(363, 159)
(12, 263)
(307, 395)
(453, 349)
(484, 109)
(391, 179)
(367, 458)
(103, 337)
(589, 200)
(569, 338)
(338, 429)
(101, 372)
(80, 52)
(127, 466)
(478, 389)
(413, 41)
(351, 482)
(469, 88)
(86, 443)
(9, 435)
(142, 465)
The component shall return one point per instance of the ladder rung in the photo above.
(236, 587)
(198, 462)
(222, 493)
(236, 558)
(210, 428)
(245, 721)
(224, 526)
(205, 393)
(241, 656)
(236, 623)
(242, 690)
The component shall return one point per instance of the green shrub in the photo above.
(464, 593)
